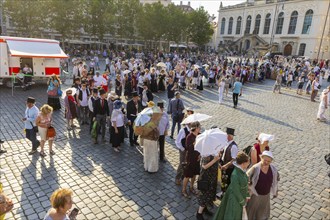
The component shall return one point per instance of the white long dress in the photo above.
(321, 112)
(221, 90)
(150, 155)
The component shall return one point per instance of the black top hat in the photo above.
(134, 94)
(102, 91)
(160, 104)
(230, 131)
(95, 90)
(31, 100)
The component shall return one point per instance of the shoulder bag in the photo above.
(51, 132)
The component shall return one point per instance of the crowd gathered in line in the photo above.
(246, 179)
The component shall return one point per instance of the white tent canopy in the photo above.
(27, 47)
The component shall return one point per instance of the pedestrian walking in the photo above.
(31, 114)
(146, 96)
(237, 195)
(100, 113)
(192, 160)
(163, 129)
(83, 96)
(61, 202)
(176, 111)
(278, 82)
(237, 91)
(263, 181)
(259, 147)
(53, 91)
(315, 88)
(91, 101)
(300, 85)
(119, 85)
(324, 103)
(228, 158)
(180, 143)
(171, 87)
(117, 125)
(70, 107)
(133, 107)
(221, 89)
(43, 121)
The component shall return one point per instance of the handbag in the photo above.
(52, 92)
(319, 86)
(51, 132)
(59, 91)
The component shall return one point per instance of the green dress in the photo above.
(231, 206)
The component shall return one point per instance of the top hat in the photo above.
(230, 131)
(102, 91)
(95, 90)
(134, 94)
(31, 100)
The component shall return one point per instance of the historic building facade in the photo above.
(290, 27)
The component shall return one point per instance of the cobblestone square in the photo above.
(109, 185)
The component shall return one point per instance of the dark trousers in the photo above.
(174, 122)
(161, 142)
(83, 114)
(132, 137)
(101, 122)
(32, 136)
(235, 99)
(90, 120)
(107, 67)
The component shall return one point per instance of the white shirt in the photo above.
(118, 117)
(163, 124)
(233, 152)
(180, 136)
(84, 101)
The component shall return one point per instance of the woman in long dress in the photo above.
(263, 179)
(153, 81)
(323, 104)
(149, 142)
(119, 85)
(54, 84)
(221, 90)
(117, 132)
(161, 80)
(70, 108)
(237, 194)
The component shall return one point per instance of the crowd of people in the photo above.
(97, 100)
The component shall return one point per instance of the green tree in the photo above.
(99, 18)
(28, 16)
(200, 29)
(65, 17)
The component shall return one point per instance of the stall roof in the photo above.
(30, 47)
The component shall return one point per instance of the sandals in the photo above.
(193, 191)
(185, 194)
(42, 154)
(51, 152)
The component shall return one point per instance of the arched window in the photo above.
(223, 23)
(267, 24)
(302, 48)
(230, 25)
(293, 22)
(280, 21)
(307, 22)
(257, 24)
(238, 25)
(248, 25)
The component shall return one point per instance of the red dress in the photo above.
(193, 167)
(257, 147)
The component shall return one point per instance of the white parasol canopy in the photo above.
(161, 64)
(265, 137)
(211, 142)
(195, 117)
(126, 71)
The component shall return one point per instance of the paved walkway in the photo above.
(108, 185)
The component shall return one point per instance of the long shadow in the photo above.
(265, 117)
(250, 102)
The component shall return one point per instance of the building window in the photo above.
(307, 22)
(267, 24)
(223, 23)
(280, 21)
(238, 25)
(293, 22)
(230, 25)
(302, 48)
(248, 24)
(257, 24)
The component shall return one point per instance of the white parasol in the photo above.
(126, 71)
(73, 90)
(265, 137)
(211, 142)
(195, 117)
(196, 66)
(161, 64)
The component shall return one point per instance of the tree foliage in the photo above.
(124, 19)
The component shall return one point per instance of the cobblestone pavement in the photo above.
(109, 185)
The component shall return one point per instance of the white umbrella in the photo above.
(211, 142)
(126, 71)
(206, 65)
(161, 64)
(196, 66)
(196, 117)
(265, 137)
(73, 90)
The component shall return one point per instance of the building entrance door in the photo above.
(287, 50)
